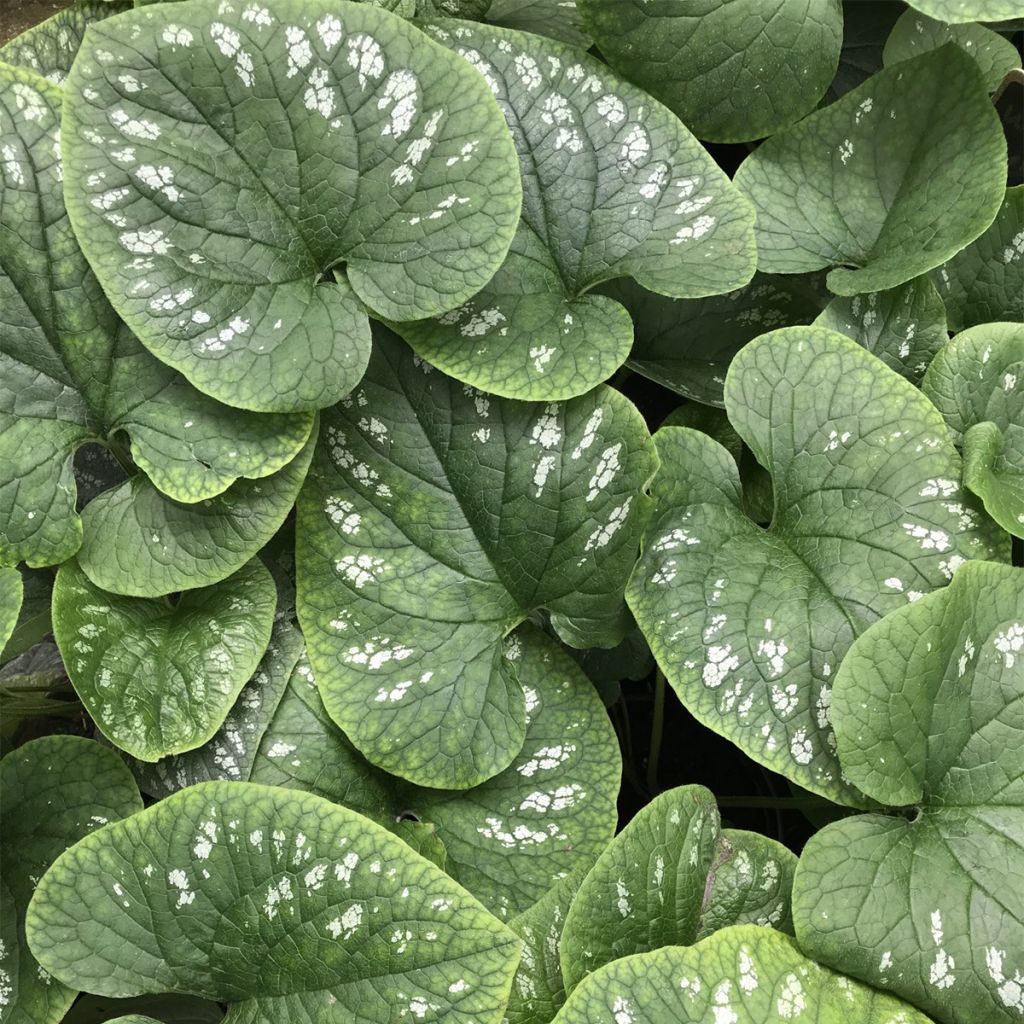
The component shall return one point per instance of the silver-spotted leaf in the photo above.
(927, 710)
(733, 70)
(282, 904)
(670, 878)
(750, 624)
(507, 840)
(158, 678)
(886, 183)
(434, 520)
(246, 182)
(740, 975)
(55, 791)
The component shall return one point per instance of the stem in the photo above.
(657, 728)
(1015, 76)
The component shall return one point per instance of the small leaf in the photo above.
(433, 521)
(957, 11)
(319, 914)
(731, 69)
(670, 878)
(159, 679)
(55, 790)
(613, 185)
(750, 624)
(927, 713)
(821, 200)
(977, 383)
(319, 139)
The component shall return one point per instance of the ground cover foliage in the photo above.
(512, 512)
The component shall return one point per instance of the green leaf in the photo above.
(433, 521)
(55, 791)
(750, 624)
(977, 383)
(733, 70)
(50, 47)
(70, 372)
(11, 594)
(139, 543)
(687, 345)
(916, 33)
(927, 710)
(904, 326)
(670, 878)
(509, 839)
(222, 168)
(742, 975)
(159, 678)
(280, 903)
(984, 282)
(886, 183)
(613, 185)
(957, 11)
(553, 18)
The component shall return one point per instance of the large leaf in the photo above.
(886, 183)
(957, 11)
(613, 185)
(750, 624)
(507, 840)
(70, 372)
(140, 543)
(904, 326)
(927, 709)
(741, 975)
(670, 878)
(687, 344)
(282, 904)
(221, 173)
(977, 383)
(433, 521)
(732, 70)
(55, 790)
(984, 282)
(159, 678)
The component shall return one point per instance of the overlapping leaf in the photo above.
(553, 18)
(157, 678)
(959, 11)
(886, 183)
(224, 165)
(750, 624)
(433, 521)
(11, 592)
(613, 185)
(927, 710)
(319, 914)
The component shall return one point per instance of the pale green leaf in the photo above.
(750, 624)
(957, 11)
(927, 710)
(159, 678)
(282, 904)
(433, 521)
(244, 182)
(55, 791)
(886, 183)
(11, 594)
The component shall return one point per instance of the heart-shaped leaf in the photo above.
(886, 183)
(70, 372)
(222, 167)
(433, 521)
(903, 326)
(927, 710)
(957, 11)
(613, 185)
(158, 678)
(984, 282)
(670, 878)
(55, 790)
(750, 624)
(731, 69)
(11, 592)
(319, 914)
(977, 383)
(741, 975)
(511, 838)
(139, 543)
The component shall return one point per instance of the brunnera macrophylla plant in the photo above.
(404, 406)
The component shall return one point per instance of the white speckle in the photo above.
(179, 880)
(622, 902)
(845, 150)
(344, 927)
(612, 109)
(791, 1000)
(400, 94)
(603, 534)
(608, 465)
(636, 146)
(329, 30)
(138, 128)
(748, 972)
(775, 652)
(1010, 990)
(277, 894)
(1010, 643)
(541, 356)
(318, 96)
(280, 749)
(589, 433)
(147, 240)
(366, 58)
(800, 747)
(177, 36)
(719, 663)
(528, 72)
(930, 540)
